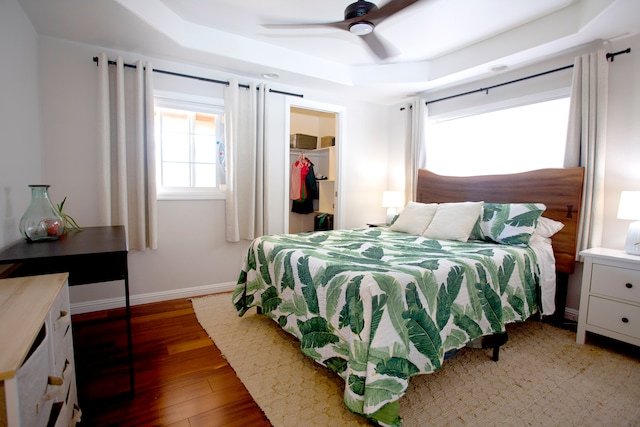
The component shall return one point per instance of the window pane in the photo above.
(187, 147)
(205, 175)
(175, 147)
(205, 149)
(175, 121)
(175, 174)
(205, 124)
(506, 141)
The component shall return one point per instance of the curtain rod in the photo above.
(299, 95)
(204, 79)
(609, 56)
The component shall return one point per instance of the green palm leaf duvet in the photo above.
(378, 307)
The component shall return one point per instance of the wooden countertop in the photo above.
(24, 305)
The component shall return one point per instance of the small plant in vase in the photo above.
(69, 222)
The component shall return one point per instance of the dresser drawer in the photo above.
(62, 340)
(614, 316)
(32, 382)
(616, 282)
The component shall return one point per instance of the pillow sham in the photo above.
(510, 223)
(547, 227)
(414, 218)
(454, 221)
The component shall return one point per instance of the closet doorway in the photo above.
(315, 141)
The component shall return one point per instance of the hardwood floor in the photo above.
(181, 380)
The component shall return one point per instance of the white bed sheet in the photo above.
(547, 263)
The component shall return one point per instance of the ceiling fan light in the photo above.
(361, 28)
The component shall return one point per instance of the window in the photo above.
(505, 141)
(189, 148)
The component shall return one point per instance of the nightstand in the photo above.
(610, 295)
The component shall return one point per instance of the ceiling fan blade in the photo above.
(382, 13)
(377, 46)
(340, 25)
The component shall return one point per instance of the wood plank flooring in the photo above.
(181, 380)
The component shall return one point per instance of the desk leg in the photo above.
(129, 337)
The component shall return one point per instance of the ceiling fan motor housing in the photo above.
(359, 8)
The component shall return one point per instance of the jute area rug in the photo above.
(543, 378)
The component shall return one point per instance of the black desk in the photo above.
(94, 255)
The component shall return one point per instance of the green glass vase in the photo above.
(41, 221)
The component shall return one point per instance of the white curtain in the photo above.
(415, 153)
(244, 136)
(126, 166)
(586, 141)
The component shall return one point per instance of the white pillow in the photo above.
(414, 218)
(454, 221)
(547, 227)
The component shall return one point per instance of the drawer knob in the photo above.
(55, 381)
(625, 320)
(629, 285)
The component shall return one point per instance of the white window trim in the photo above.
(192, 194)
(501, 105)
(195, 103)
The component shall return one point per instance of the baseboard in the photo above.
(571, 314)
(110, 303)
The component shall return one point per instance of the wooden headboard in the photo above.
(559, 189)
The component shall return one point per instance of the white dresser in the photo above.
(610, 295)
(37, 378)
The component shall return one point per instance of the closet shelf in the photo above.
(310, 150)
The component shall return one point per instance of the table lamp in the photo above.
(629, 209)
(391, 200)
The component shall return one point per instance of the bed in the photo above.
(380, 305)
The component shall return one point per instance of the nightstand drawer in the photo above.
(616, 282)
(614, 316)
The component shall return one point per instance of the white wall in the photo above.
(623, 137)
(399, 128)
(193, 255)
(20, 145)
(364, 164)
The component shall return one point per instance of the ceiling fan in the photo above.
(360, 18)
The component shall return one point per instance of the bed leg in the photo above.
(495, 341)
(496, 353)
(562, 284)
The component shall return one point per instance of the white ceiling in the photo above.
(436, 42)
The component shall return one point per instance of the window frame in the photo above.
(194, 104)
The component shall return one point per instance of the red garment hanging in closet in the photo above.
(299, 171)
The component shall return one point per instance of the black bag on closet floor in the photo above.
(323, 222)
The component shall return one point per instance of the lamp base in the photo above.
(391, 212)
(632, 245)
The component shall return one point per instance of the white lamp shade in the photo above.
(391, 199)
(629, 208)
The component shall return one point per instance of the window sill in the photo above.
(195, 196)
